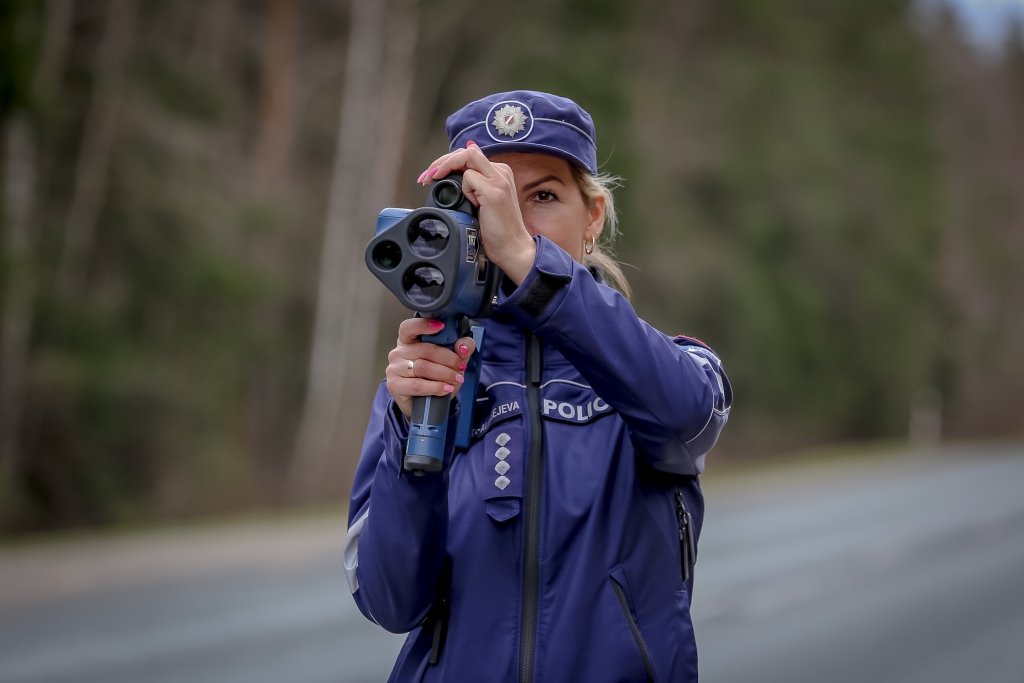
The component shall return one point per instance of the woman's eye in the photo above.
(545, 196)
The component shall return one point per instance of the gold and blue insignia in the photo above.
(509, 121)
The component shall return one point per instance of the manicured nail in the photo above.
(462, 365)
(463, 349)
(471, 143)
(449, 388)
(433, 171)
(420, 179)
(460, 379)
(435, 325)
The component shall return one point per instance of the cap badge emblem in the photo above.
(509, 120)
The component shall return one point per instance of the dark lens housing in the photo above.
(387, 255)
(428, 237)
(423, 284)
(447, 193)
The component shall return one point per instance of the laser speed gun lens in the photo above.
(428, 237)
(423, 285)
(387, 255)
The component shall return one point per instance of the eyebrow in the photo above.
(535, 183)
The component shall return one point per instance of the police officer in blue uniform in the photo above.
(559, 546)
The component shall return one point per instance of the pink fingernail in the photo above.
(435, 325)
(449, 388)
(460, 379)
(420, 179)
(433, 171)
(463, 349)
(462, 365)
(471, 143)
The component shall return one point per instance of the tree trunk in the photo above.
(981, 139)
(19, 288)
(212, 43)
(97, 141)
(374, 115)
(277, 96)
(55, 48)
(21, 174)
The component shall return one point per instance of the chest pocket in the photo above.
(501, 456)
(572, 402)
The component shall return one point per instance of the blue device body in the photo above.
(474, 284)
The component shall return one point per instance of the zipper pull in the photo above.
(534, 359)
(691, 541)
(687, 544)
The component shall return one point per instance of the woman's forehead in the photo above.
(529, 166)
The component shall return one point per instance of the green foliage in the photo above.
(836, 243)
(816, 199)
(183, 91)
(153, 361)
(19, 37)
(144, 384)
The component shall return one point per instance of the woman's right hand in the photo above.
(417, 368)
(492, 188)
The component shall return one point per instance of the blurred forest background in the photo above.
(830, 194)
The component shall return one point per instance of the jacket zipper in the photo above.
(531, 552)
(687, 545)
(635, 630)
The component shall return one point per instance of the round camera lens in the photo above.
(423, 284)
(387, 255)
(447, 194)
(428, 237)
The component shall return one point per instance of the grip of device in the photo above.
(428, 425)
(427, 431)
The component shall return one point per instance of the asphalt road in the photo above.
(883, 569)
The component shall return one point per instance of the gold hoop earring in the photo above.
(588, 247)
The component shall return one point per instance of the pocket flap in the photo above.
(503, 509)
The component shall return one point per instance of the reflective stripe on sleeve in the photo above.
(700, 444)
(351, 555)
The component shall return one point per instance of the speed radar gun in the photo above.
(432, 259)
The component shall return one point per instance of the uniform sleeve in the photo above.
(671, 392)
(395, 547)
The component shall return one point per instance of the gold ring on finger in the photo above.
(410, 365)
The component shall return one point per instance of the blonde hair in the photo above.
(594, 187)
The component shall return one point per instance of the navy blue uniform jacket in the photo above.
(550, 549)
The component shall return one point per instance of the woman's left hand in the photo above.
(492, 188)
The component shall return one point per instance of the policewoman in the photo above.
(560, 545)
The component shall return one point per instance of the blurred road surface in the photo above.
(882, 568)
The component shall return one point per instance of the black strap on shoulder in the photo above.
(440, 613)
(541, 291)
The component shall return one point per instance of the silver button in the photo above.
(502, 481)
(502, 439)
(502, 467)
(501, 453)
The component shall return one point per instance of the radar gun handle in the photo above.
(428, 425)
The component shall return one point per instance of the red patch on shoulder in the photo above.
(693, 340)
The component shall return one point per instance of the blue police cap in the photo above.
(526, 121)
